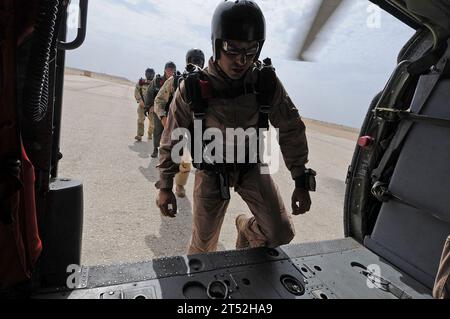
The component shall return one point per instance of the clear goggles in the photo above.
(232, 51)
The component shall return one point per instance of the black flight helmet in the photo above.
(196, 57)
(149, 74)
(170, 65)
(239, 20)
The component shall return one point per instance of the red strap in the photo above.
(206, 89)
(20, 245)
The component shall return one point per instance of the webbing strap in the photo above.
(381, 192)
(399, 115)
(427, 83)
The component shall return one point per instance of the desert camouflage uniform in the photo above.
(163, 97)
(140, 111)
(165, 93)
(151, 100)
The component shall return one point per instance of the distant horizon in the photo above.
(118, 76)
(75, 71)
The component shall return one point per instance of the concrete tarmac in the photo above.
(121, 220)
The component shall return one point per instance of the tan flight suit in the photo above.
(442, 286)
(163, 97)
(140, 111)
(271, 225)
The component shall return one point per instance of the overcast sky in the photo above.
(355, 53)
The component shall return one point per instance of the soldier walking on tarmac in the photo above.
(140, 94)
(194, 57)
(236, 91)
(170, 69)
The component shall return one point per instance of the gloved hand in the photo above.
(167, 203)
(301, 202)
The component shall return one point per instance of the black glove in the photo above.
(146, 110)
(301, 202)
(167, 203)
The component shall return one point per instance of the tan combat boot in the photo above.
(180, 191)
(242, 241)
(138, 138)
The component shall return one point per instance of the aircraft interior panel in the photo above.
(338, 269)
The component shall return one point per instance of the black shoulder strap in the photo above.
(198, 92)
(176, 82)
(267, 85)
